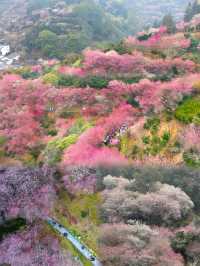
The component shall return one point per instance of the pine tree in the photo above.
(168, 21)
(192, 10)
(188, 13)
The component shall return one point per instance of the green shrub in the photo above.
(133, 102)
(48, 123)
(144, 37)
(192, 158)
(63, 143)
(72, 59)
(51, 78)
(11, 226)
(52, 132)
(146, 139)
(54, 150)
(27, 73)
(96, 82)
(69, 81)
(120, 48)
(3, 140)
(130, 80)
(66, 113)
(188, 110)
(180, 242)
(79, 127)
(165, 138)
(152, 124)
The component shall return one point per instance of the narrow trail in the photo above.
(76, 243)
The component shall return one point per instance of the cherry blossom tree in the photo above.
(32, 248)
(136, 244)
(26, 192)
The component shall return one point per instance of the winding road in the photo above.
(79, 246)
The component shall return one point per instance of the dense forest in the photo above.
(51, 28)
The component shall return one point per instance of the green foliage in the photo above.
(54, 150)
(144, 37)
(3, 140)
(11, 226)
(69, 81)
(63, 143)
(72, 59)
(194, 56)
(181, 241)
(130, 79)
(152, 124)
(97, 21)
(66, 113)
(192, 158)
(52, 132)
(97, 82)
(192, 9)
(154, 144)
(119, 47)
(194, 45)
(48, 124)
(50, 44)
(188, 110)
(51, 78)
(26, 73)
(88, 23)
(132, 101)
(79, 127)
(168, 21)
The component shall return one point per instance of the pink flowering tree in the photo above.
(136, 244)
(32, 248)
(25, 192)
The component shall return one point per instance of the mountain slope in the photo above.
(50, 28)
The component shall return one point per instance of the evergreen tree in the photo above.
(192, 10)
(168, 21)
(188, 13)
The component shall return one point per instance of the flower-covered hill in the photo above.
(107, 142)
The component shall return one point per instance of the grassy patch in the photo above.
(80, 215)
(188, 110)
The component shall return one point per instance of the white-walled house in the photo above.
(4, 49)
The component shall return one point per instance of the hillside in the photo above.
(146, 12)
(53, 28)
(107, 143)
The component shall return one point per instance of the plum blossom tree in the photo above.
(23, 105)
(25, 192)
(166, 205)
(71, 71)
(191, 138)
(32, 248)
(98, 62)
(161, 41)
(91, 143)
(136, 244)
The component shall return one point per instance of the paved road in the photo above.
(79, 246)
